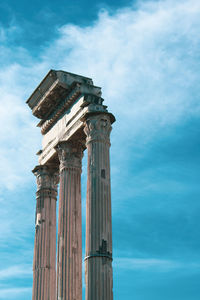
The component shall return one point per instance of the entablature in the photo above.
(57, 92)
(61, 102)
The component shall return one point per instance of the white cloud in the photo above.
(11, 293)
(146, 60)
(10, 274)
(152, 263)
(16, 272)
(5, 33)
(18, 139)
(143, 59)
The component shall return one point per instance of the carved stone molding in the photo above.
(98, 128)
(70, 154)
(47, 178)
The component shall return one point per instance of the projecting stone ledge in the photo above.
(57, 92)
(61, 101)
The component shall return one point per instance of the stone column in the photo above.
(69, 254)
(98, 260)
(44, 272)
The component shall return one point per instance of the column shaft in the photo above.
(44, 273)
(98, 261)
(69, 257)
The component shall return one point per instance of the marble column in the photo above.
(98, 260)
(69, 254)
(44, 272)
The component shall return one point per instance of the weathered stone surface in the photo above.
(73, 118)
(52, 90)
(98, 260)
(44, 272)
(69, 254)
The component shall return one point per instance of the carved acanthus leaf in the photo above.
(70, 154)
(47, 177)
(98, 127)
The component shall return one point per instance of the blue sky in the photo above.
(146, 57)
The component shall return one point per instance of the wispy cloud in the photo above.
(16, 272)
(146, 60)
(153, 263)
(11, 293)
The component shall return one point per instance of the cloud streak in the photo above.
(16, 272)
(153, 263)
(11, 293)
(145, 60)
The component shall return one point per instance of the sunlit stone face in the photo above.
(61, 100)
(63, 129)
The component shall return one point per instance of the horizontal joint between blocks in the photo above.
(98, 255)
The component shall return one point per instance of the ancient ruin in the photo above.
(72, 118)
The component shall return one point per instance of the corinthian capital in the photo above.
(70, 154)
(98, 128)
(47, 177)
